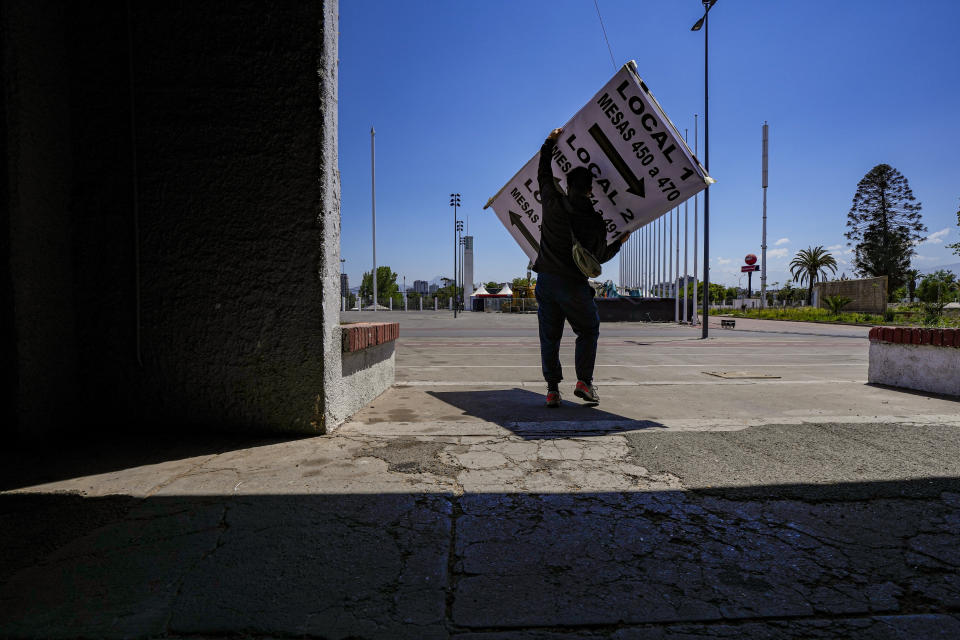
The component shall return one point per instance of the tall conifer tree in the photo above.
(884, 226)
(956, 245)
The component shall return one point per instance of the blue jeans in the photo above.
(560, 299)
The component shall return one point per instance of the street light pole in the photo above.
(706, 165)
(455, 202)
(705, 23)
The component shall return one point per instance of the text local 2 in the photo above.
(618, 118)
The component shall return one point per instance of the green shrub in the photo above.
(932, 312)
(810, 314)
(837, 303)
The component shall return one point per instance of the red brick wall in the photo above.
(908, 335)
(361, 335)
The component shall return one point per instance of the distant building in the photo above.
(344, 285)
(421, 286)
(433, 288)
(467, 267)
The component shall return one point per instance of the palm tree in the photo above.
(810, 264)
(912, 275)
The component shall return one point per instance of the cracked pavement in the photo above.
(478, 515)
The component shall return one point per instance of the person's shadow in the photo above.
(525, 413)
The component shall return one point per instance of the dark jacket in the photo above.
(556, 246)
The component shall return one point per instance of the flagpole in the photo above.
(696, 222)
(686, 244)
(373, 210)
(763, 244)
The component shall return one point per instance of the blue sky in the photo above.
(463, 93)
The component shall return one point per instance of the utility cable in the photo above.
(604, 29)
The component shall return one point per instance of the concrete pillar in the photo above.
(165, 212)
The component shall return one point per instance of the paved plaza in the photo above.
(751, 485)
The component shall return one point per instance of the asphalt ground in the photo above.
(791, 500)
(487, 366)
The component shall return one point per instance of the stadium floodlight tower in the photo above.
(455, 202)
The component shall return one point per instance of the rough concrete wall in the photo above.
(101, 210)
(365, 375)
(334, 386)
(235, 162)
(869, 295)
(205, 123)
(918, 367)
(39, 175)
(10, 378)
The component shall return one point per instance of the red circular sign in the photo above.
(750, 259)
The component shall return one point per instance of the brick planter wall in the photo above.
(361, 335)
(367, 366)
(919, 359)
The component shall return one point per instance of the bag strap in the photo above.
(570, 212)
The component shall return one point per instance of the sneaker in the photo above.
(553, 399)
(587, 391)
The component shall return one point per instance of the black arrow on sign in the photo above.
(634, 184)
(517, 221)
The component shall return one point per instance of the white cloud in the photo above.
(920, 258)
(835, 247)
(778, 253)
(781, 241)
(937, 236)
(724, 261)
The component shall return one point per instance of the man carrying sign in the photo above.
(562, 291)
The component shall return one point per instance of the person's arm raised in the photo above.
(548, 190)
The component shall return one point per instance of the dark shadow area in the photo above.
(877, 560)
(914, 392)
(366, 358)
(164, 171)
(662, 342)
(83, 454)
(9, 391)
(820, 332)
(524, 412)
(627, 309)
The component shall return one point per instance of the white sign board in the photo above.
(642, 167)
